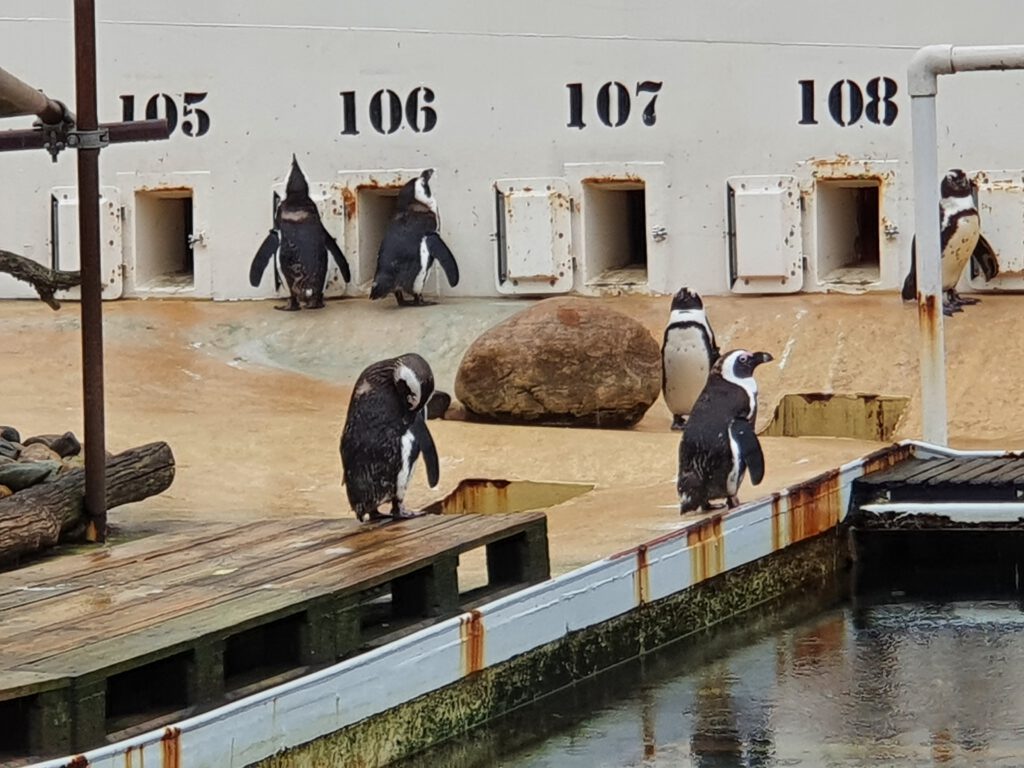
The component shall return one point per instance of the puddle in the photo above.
(495, 497)
(858, 416)
(863, 685)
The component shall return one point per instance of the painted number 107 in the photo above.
(613, 103)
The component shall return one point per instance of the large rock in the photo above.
(20, 476)
(563, 361)
(63, 445)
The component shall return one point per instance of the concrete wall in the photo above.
(799, 89)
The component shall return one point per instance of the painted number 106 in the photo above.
(847, 103)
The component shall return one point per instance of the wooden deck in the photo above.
(948, 479)
(102, 644)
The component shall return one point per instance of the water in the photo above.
(867, 684)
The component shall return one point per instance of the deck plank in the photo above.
(106, 616)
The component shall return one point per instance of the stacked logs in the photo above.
(42, 487)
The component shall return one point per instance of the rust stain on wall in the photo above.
(707, 549)
(642, 577)
(170, 746)
(473, 635)
(814, 506)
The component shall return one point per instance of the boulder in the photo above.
(38, 452)
(10, 434)
(19, 476)
(9, 449)
(63, 445)
(565, 362)
(5, 491)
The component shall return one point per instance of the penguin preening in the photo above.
(411, 245)
(688, 350)
(299, 244)
(960, 241)
(719, 444)
(385, 432)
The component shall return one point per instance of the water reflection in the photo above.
(871, 684)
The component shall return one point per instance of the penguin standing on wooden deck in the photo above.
(299, 242)
(385, 432)
(411, 245)
(719, 444)
(688, 351)
(960, 242)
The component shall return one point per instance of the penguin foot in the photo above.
(317, 303)
(949, 309)
(421, 302)
(678, 422)
(967, 300)
(400, 512)
(732, 502)
(402, 301)
(291, 306)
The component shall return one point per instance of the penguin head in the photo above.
(956, 184)
(686, 299)
(414, 380)
(740, 363)
(296, 187)
(418, 191)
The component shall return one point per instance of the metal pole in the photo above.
(929, 273)
(89, 242)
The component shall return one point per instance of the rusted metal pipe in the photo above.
(19, 98)
(922, 78)
(118, 133)
(91, 292)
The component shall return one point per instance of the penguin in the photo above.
(300, 243)
(960, 241)
(385, 432)
(719, 444)
(411, 245)
(688, 350)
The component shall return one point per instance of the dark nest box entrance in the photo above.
(848, 229)
(374, 208)
(615, 237)
(163, 239)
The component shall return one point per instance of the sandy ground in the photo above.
(252, 401)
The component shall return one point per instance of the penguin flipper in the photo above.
(909, 292)
(750, 448)
(339, 257)
(263, 257)
(425, 443)
(984, 258)
(440, 252)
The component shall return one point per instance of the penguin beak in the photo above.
(762, 357)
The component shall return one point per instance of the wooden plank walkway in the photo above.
(947, 479)
(126, 638)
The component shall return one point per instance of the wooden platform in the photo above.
(948, 479)
(99, 645)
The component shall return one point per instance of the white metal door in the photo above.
(65, 244)
(533, 220)
(765, 240)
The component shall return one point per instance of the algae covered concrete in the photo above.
(252, 401)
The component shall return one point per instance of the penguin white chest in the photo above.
(958, 249)
(686, 367)
(421, 276)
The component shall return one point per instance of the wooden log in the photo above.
(46, 281)
(40, 516)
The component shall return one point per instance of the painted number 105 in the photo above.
(847, 103)
(195, 122)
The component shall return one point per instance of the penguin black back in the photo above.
(300, 243)
(719, 443)
(411, 245)
(385, 432)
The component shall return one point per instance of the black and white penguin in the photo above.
(411, 245)
(719, 444)
(300, 243)
(385, 432)
(960, 241)
(688, 351)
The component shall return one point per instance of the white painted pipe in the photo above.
(922, 77)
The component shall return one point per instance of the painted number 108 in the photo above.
(847, 103)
